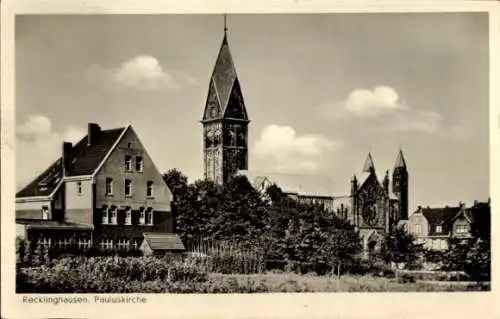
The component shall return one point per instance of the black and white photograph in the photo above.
(252, 153)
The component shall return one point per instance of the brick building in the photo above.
(104, 191)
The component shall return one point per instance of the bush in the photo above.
(109, 274)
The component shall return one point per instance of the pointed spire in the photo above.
(369, 166)
(400, 160)
(225, 23)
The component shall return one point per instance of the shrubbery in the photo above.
(110, 274)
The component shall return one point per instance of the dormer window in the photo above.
(128, 163)
(439, 229)
(139, 165)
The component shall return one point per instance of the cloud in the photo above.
(141, 72)
(284, 150)
(384, 104)
(38, 146)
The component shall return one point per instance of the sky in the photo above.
(321, 91)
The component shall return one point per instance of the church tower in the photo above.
(225, 121)
(400, 185)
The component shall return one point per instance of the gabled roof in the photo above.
(400, 160)
(225, 99)
(163, 241)
(441, 215)
(369, 166)
(85, 160)
(300, 184)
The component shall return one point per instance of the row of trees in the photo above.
(297, 236)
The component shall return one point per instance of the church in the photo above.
(373, 206)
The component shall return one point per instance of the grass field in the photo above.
(289, 282)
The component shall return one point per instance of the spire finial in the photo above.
(225, 23)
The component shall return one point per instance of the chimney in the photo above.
(475, 202)
(93, 132)
(67, 150)
(461, 204)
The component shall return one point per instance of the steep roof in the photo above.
(301, 184)
(369, 166)
(163, 241)
(400, 160)
(224, 88)
(85, 160)
(441, 215)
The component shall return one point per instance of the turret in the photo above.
(400, 185)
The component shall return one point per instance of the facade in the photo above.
(373, 206)
(225, 121)
(104, 191)
(433, 227)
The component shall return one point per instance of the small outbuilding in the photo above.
(161, 244)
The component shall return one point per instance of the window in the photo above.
(135, 244)
(83, 243)
(128, 163)
(44, 242)
(113, 217)
(417, 229)
(439, 229)
(462, 229)
(128, 216)
(129, 145)
(149, 190)
(128, 187)
(79, 188)
(62, 243)
(138, 164)
(106, 244)
(149, 217)
(45, 212)
(123, 244)
(105, 216)
(109, 186)
(142, 216)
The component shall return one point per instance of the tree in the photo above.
(342, 248)
(478, 262)
(400, 247)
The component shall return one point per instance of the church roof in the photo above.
(400, 160)
(369, 166)
(300, 184)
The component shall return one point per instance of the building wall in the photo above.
(78, 206)
(162, 223)
(460, 222)
(32, 209)
(20, 231)
(114, 168)
(418, 218)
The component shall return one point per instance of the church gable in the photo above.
(212, 107)
(236, 106)
(371, 187)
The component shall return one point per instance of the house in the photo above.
(104, 191)
(433, 227)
